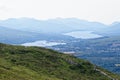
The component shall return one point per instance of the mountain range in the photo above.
(52, 25)
(22, 30)
(60, 25)
(36, 63)
(13, 36)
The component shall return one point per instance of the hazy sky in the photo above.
(105, 11)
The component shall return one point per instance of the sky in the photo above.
(105, 11)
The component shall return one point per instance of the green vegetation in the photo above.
(36, 63)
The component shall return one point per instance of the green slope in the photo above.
(35, 63)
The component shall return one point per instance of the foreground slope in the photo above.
(35, 63)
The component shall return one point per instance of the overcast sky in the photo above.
(105, 11)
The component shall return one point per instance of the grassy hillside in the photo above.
(36, 63)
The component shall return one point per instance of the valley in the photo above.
(104, 52)
(59, 40)
(93, 41)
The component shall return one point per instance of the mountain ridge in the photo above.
(63, 25)
(14, 36)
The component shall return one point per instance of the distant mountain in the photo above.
(36, 63)
(78, 24)
(113, 29)
(8, 35)
(61, 26)
(13, 36)
(34, 25)
(52, 25)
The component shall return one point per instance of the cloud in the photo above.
(105, 11)
(3, 8)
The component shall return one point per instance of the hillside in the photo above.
(36, 63)
(13, 36)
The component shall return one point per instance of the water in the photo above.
(83, 34)
(42, 43)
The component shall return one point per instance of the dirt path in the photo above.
(111, 78)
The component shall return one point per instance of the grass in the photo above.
(36, 63)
